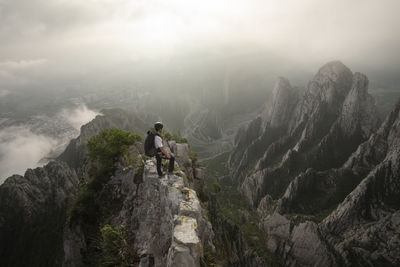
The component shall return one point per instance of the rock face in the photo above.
(318, 128)
(163, 215)
(32, 215)
(163, 218)
(368, 218)
(323, 177)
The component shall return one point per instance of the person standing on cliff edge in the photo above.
(162, 153)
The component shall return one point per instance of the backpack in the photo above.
(149, 148)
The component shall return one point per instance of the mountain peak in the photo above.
(277, 112)
(334, 71)
(331, 83)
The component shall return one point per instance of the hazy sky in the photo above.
(75, 36)
(47, 44)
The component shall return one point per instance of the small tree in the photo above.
(109, 145)
(105, 148)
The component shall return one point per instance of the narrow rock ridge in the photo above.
(379, 191)
(163, 215)
(171, 226)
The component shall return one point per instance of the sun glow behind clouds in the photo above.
(159, 30)
(99, 31)
(157, 26)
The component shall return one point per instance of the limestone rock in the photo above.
(359, 111)
(308, 248)
(319, 129)
(186, 247)
(182, 154)
(278, 112)
(326, 180)
(166, 219)
(277, 225)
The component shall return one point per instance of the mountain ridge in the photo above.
(326, 175)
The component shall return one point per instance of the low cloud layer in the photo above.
(22, 148)
(78, 116)
(4, 93)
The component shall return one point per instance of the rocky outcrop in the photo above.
(32, 215)
(163, 216)
(278, 112)
(169, 223)
(161, 220)
(327, 188)
(318, 128)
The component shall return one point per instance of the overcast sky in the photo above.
(76, 36)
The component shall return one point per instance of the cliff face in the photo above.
(157, 222)
(163, 218)
(32, 215)
(327, 187)
(317, 128)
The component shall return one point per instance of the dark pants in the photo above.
(159, 157)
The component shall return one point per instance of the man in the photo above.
(162, 153)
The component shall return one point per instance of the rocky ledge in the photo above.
(169, 226)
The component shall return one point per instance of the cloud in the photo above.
(23, 147)
(22, 64)
(78, 116)
(3, 93)
(100, 38)
(291, 28)
(21, 72)
(20, 149)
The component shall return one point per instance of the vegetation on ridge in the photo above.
(91, 208)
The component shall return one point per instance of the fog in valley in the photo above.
(205, 68)
(34, 141)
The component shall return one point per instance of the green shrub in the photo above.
(168, 136)
(92, 206)
(132, 160)
(109, 145)
(203, 196)
(86, 208)
(193, 157)
(217, 187)
(138, 177)
(114, 247)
